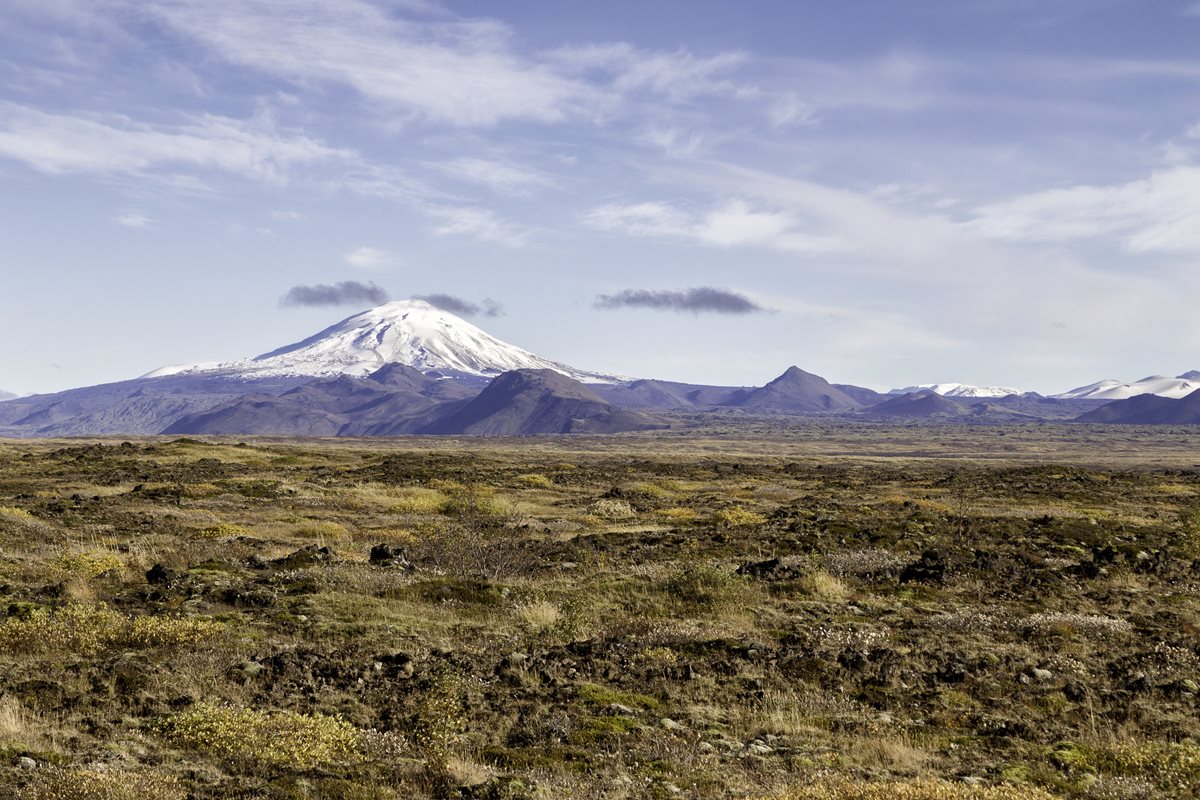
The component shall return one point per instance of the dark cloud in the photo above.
(337, 294)
(697, 300)
(464, 308)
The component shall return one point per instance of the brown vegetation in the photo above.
(764, 614)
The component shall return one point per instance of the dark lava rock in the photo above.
(398, 665)
(386, 555)
(158, 575)
(305, 557)
(773, 569)
(931, 568)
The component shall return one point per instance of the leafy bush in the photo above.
(88, 564)
(85, 630)
(535, 480)
(418, 500)
(611, 508)
(704, 586)
(74, 628)
(441, 718)
(171, 631)
(248, 737)
(18, 514)
(224, 530)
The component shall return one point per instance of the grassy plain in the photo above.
(768, 609)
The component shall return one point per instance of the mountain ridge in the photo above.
(1148, 409)
(407, 367)
(1114, 389)
(960, 390)
(413, 333)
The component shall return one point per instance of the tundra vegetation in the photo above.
(766, 610)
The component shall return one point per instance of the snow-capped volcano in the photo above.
(1113, 389)
(960, 390)
(410, 332)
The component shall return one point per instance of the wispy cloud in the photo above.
(480, 223)
(701, 299)
(677, 76)
(368, 258)
(789, 110)
(499, 176)
(676, 142)
(337, 294)
(735, 223)
(1158, 214)
(464, 308)
(133, 219)
(461, 72)
(59, 144)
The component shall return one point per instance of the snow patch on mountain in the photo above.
(410, 332)
(1113, 389)
(960, 390)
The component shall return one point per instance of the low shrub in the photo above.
(418, 500)
(85, 630)
(18, 514)
(88, 564)
(74, 628)
(706, 587)
(249, 737)
(95, 784)
(223, 530)
(164, 631)
(535, 480)
(611, 508)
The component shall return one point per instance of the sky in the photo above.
(994, 192)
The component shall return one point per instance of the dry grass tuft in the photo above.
(95, 784)
(909, 790)
(538, 616)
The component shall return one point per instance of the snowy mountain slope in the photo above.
(409, 332)
(960, 390)
(1112, 389)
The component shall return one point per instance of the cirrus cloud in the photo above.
(734, 223)
(60, 144)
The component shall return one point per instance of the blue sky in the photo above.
(986, 191)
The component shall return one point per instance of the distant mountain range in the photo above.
(1149, 409)
(961, 390)
(921, 403)
(1113, 389)
(6, 395)
(410, 368)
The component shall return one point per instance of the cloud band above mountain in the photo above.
(697, 300)
(463, 307)
(337, 294)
